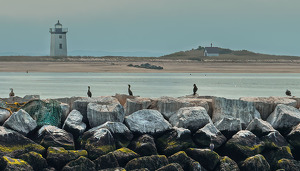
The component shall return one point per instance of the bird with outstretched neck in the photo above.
(11, 94)
(129, 91)
(195, 89)
(288, 93)
(89, 93)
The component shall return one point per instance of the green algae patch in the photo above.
(257, 162)
(58, 156)
(207, 158)
(153, 162)
(16, 150)
(106, 148)
(288, 149)
(79, 152)
(97, 147)
(36, 160)
(125, 150)
(56, 150)
(13, 161)
(270, 145)
(184, 160)
(254, 149)
(227, 164)
(96, 151)
(288, 164)
(124, 155)
(240, 152)
(62, 151)
(282, 161)
(8, 163)
(272, 156)
(169, 143)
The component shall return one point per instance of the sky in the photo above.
(151, 27)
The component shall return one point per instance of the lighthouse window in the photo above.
(60, 36)
(60, 46)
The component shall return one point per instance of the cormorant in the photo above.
(89, 93)
(195, 89)
(288, 93)
(129, 91)
(11, 94)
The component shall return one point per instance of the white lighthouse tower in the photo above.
(58, 46)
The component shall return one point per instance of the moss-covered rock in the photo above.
(273, 155)
(13, 144)
(274, 140)
(36, 160)
(185, 161)
(80, 164)
(144, 145)
(242, 145)
(288, 165)
(257, 162)
(124, 155)
(59, 157)
(207, 158)
(106, 161)
(171, 167)
(180, 158)
(98, 142)
(150, 162)
(179, 139)
(11, 164)
(227, 164)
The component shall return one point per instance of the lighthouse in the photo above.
(58, 45)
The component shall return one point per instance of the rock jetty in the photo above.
(147, 66)
(123, 132)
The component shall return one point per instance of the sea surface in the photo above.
(229, 85)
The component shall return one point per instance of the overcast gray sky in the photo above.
(155, 26)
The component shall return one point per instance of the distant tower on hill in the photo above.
(58, 46)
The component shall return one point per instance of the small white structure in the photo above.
(58, 46)
(211, 51)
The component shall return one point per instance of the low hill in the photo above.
(227, 55)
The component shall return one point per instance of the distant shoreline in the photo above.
(169, 66)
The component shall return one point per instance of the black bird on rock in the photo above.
(129, 91)
(288, 93)
(11, 94)
(89, 93)
(195, 89)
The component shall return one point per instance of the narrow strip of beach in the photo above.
(168, 67)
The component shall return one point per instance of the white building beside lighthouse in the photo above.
(58, 45)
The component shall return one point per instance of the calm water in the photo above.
(53, 85)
